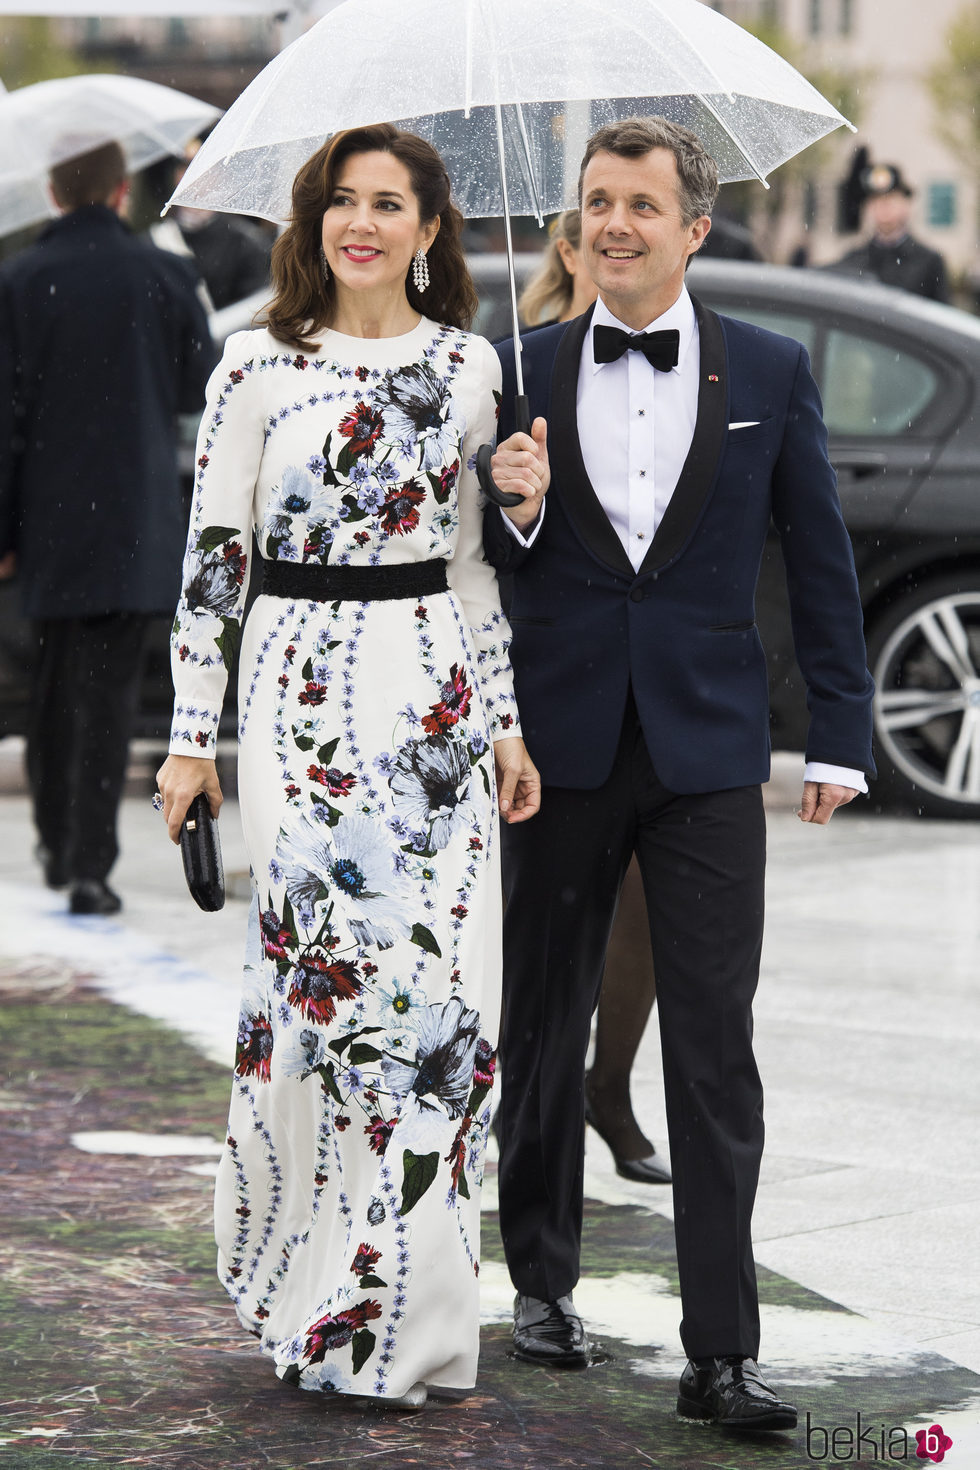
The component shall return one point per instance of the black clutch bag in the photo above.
(201, 852)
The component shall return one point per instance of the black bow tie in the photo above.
(659, 348)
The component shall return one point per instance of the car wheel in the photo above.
(924, 654)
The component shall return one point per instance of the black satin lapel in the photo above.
(569, 474)
(701, 466)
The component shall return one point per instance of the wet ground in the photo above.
(117, 1346)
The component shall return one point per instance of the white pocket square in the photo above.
(746, 424)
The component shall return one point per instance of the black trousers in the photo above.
(86, 686)
(702, 859)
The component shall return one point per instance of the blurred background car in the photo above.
(900, 378)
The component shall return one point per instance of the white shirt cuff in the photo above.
(836, 776)
(518, 535)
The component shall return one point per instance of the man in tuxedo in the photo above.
(676, 437)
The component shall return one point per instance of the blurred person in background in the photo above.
(102, 343)
(561, 287)
(893, 256)
(230, 254)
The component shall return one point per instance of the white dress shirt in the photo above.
(634, 469)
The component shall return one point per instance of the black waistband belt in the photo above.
(310, 582)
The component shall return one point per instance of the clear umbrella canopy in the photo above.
(50, 122)
(555, 69)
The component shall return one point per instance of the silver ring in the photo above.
(157, 802)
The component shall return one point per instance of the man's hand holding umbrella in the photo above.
(520, 467)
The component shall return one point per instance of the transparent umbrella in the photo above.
(49, 122)
(508, 91)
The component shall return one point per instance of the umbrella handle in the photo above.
(522, 418)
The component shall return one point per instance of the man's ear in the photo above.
(699, 232)
(119, 198)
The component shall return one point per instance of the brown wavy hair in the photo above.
(303, 303)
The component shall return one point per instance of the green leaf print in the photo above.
(228, 640)
(425, 939)
(326, 1071)
(329, 478)
(361, 1054)
(366, 1281)
(439, 490)
(362, 1346)
(326, 752)
(420, 1170)
(214, 536)
(461, 1185)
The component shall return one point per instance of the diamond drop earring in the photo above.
(324, 268)
(420, 271)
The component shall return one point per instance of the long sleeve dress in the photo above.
(347, 1201)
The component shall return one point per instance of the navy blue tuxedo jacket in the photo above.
(682, 628)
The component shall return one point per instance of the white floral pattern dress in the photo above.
(348, 1195)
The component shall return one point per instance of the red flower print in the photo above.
(202, 738)
(476, 845)
(400, 512)
(319, 982)
(459, 910)
(421, 614)
(379, 1132)
(361, 374)
(293, 791)
(362, 537)
(275, 939)
(448, 479)
(336, 1329)
(313, 693)
(236, 560)
(505, 720)
(454, 705)
(253, 1054)
(337, 782)
(341, 1122)
(365, 1260)
(299, 361)
(363, 427)
(237, 376)
(183, 651)
(456, 1156)
(290, 653)
(369, 970)
(283, 681)
(456, 357)
(203, 462)
(484, 1064)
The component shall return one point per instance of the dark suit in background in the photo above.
(644, 704)
(102, 343)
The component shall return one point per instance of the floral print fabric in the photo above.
(347, 1203)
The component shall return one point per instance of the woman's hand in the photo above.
(518, 782)
(179, 780)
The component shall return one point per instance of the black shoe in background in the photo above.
(54, 867)
(91, 896)
(550, 1332)
(733, 1393)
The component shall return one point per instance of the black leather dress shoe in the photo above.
(550, 1332)
(733, 1393)
(93, 897)
(651, 1170)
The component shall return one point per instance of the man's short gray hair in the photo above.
(634, 137)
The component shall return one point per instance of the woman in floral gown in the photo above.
(375, 700)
